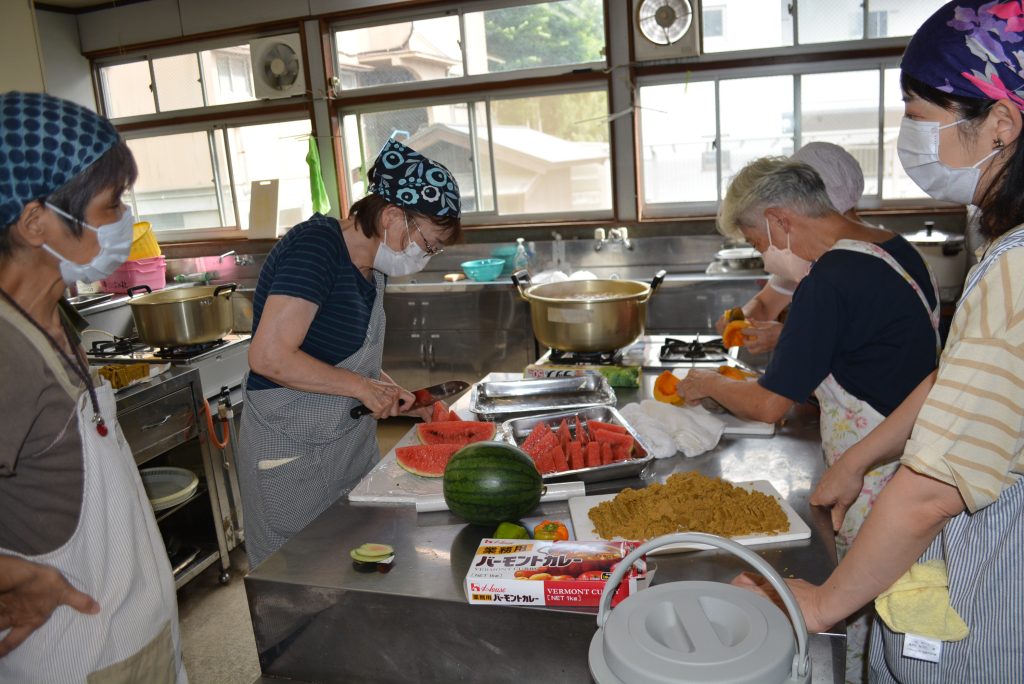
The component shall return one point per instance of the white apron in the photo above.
(300, 451)
(117, 556)
(845, 420)
(984, 555)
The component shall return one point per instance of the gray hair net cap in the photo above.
(842, 175)
(44, 143)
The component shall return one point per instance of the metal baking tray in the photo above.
(540, 394)
(516, 430)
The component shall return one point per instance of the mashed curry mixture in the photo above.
(688, 502)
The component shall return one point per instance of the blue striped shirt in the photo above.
(311, 262)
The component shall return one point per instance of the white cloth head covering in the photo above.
(844, 180)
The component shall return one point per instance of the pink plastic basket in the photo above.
(152, 272)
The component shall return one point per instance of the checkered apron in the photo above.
(300, 451)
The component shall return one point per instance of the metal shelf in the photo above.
(205, 559)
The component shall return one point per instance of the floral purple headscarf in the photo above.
(971, 49)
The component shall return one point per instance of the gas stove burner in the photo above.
(599, 358)
(118, 346)
(693, 350)
(186, 351)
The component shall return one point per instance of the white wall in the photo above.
(19, 48)
(67, 71)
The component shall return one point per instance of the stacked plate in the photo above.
(168, 486)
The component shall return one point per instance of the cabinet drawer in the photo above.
(155, 427)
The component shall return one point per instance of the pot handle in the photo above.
(228, 287)
(132, 290)
(520, 279)
(658, 278)
(801, 659)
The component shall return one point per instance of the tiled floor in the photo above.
(217, 637)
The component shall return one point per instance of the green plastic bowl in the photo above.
(508, 253)
(483, 269)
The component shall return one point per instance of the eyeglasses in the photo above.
(430, 249)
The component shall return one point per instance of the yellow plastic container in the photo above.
(144, 244)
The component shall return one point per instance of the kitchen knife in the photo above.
(424, 397)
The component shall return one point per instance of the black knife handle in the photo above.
(359, 411)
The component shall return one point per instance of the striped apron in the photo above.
(300, 451)
(845, 420)
(984, 554)
(116, 555)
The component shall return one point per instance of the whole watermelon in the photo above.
(490, 482)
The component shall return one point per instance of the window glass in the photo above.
(544, 34)
(227, 74)
(177, 82)
(677, 132)
(714, 22)
(842, 108)
(126, 89)
(422, 50)
(551, 153)
(750, 24)
(824, 21)
(756, 119)
(888, 18)
(176, 187)
(275, 151)
(896, 184)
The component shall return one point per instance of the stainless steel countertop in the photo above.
(315, 618)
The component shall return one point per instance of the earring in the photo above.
(998, 144)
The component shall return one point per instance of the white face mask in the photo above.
(412, 259)
(782, 262)
(918, 149)
(115, 245)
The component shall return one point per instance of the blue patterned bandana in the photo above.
(44, 143)
(404, 177)
(971, 49)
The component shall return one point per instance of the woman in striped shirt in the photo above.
(958, 498)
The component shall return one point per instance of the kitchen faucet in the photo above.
(614, 236)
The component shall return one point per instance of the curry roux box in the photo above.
(531, 572)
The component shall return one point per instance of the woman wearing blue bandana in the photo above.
(942, 551)
(318, 339)
(86, 590)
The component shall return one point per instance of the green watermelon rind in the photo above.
(448, 432)
(513, 489)
(405, 456)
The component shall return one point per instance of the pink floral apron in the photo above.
(845, 420)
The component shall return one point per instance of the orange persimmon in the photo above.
(732, 336)
(665, 388)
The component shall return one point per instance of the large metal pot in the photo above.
(182, 316)
(740, 258)
(587, 315)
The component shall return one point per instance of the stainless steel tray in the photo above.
(541, 394)
(516, 430)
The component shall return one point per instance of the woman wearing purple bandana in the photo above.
(318, 339)
(943, 550)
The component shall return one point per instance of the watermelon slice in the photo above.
(461, 432)
(598, 425)
(606, 453)
(557, 455)
(453, 416)
(581, 434)
(576, 455)
(538, 432)
(592, 454)
(439, 413)
(426, 460)
(623, 444)
(564, 435)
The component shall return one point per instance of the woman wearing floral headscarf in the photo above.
(943, 548)
(318, 339)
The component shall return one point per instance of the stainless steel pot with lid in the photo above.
(597, 315)
(946, 256)
(699, 632)
(740, 258)
(184, 315)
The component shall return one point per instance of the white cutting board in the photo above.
(580, 506)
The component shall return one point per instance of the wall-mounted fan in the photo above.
(665, 29)
(277, 66)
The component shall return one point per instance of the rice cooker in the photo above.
(699, 632)
(946, 256)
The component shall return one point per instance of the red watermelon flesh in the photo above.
(536, 434)
(564, 435)
(557, 455)
(439, 413)
(621, 444)
(426, 460)
(575, 455)
(454, 432)
(592, 454)
(453, 416)
(595, 425)
(606, 453)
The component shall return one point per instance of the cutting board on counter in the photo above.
(390, 483)
(734, 426)
(579, 508)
